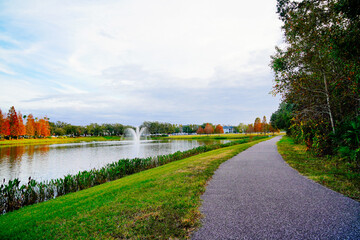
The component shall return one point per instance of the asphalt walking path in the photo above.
(256, 195)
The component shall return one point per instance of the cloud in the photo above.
(90, 61)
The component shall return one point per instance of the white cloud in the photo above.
(118, 54)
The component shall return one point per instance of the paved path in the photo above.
(256, 195)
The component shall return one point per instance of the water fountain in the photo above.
(135, 134)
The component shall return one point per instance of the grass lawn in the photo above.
(331, 172)
(42, 141)
(160, 203)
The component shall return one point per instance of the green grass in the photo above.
(332, 172)
(159, 203)
(46, 141)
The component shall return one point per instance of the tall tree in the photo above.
(13, 122)
(37, 127)
(30, 126)
(44, 127)
(264, 125)
(200, 130)
(318, 70)
(257, 125)
(4, 125)
(250, 128)
(21, 128)
(219, 129)
(208, 129)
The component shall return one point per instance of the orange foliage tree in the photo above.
(250, 129)
(44, 127)
(257, 125)
(200, 130)
(14, 122)
(21, 128)
(37, 127)
(219, 129)
(12, 125)
(264, 125)
(30, 125)
(4, 125)
(208, 129)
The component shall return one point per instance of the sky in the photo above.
(130, 61)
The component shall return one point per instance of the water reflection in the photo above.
(45, 162)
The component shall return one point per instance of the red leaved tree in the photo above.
(14, 122)
(37, 127)
(219, 129)
(30, 126)
(200, 130)
(21, 127)
(4, 125)
(208, 129)
(45, 127)
(257, 125)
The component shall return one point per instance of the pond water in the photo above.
(45, 162)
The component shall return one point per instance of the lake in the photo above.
(45, 162)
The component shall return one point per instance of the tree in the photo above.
(4, 126)
(250, 128)
(37, 127)
(13, 122)
(257, 125)
(208, 129)
(219, 129)
(45, 127)
(281, 119)
(242, 127)
(200, 130)
(30, 126)
(264, 125)
(318, 70)
(21, 128)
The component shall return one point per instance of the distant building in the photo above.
(229, 129)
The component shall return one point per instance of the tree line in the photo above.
(259, 126)
(15, 125)
(12, 125)
(317, 73)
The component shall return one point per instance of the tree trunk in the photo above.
(328, 104)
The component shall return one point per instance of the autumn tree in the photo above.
(44, 127)
(264, 125)
(257, 125)
(219, 129)
(4, 125)
(200, 130)
(30, 126)
(37, 127)
(250, 128)
(21, 128)
(13, 122)
(208, 129)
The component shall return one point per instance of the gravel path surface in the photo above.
(256, 195)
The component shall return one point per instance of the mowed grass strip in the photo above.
(159, 203)
(47, 141)
(332, 172)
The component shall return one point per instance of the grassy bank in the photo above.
(331, 172)
(159, 203)
(47, 141)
